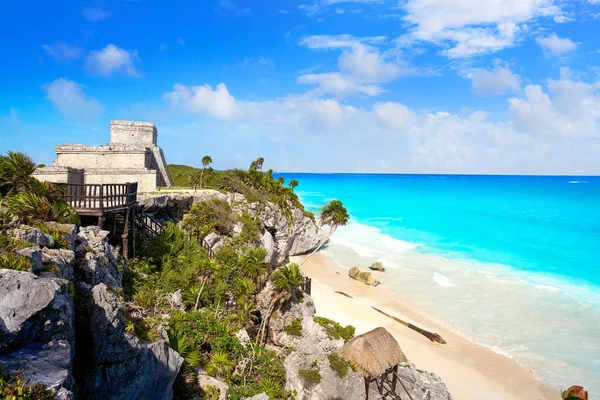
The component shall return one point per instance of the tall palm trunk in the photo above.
(331, 230)
(202, 178)
(261, 336)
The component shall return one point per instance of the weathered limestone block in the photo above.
(68, 231)
(33, 235)
(35, 256)
(267, 243)
(205, 382)
(61, 259)
(306, 236)
(100, 262)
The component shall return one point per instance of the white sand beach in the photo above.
(469, 370)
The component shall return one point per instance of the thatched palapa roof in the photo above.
(373, 352)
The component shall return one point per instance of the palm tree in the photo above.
(280, 180)
(204, 276)
(293, 184)
(206, 161)
(285, 280)
(333, 214)
(15, 171)
(257, 164)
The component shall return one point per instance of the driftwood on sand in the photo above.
(434, 337)
(343, 294)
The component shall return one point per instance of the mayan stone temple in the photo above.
(131, 156)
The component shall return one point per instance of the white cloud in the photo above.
(283, 11)
(217, 103)
(320, 6)
(367, 65)
(62, 51)
(328, 42)
(258, 62)
(496, 81)
(112, 59)
(71, 101)
(549, 130)
(473, 27)
(95, 14)
(554, 45)
(338, 85)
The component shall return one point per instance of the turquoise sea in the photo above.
(511, 262)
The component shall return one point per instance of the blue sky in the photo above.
(411, 86)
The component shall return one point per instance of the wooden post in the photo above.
(395, 379)
(133, 210)
(126, 234)
(367, 388)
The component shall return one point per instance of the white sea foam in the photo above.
(547, 287)
(398, 245)
(442, 280)
(577, 182)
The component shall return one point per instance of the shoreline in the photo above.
(469, 370)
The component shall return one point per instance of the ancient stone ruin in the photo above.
(131, 156)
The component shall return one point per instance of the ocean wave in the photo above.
(547, 287)
(359, 249)
(442, 280)
(578, 182)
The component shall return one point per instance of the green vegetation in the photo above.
(311, 376)
(335, 330)
(181, 174)
(205, 217)
(339, 365)
(295, 328)
(335, 215)
(14, 388)
(14, 261)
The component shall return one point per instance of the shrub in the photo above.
(220, 364)
(209, 393)
(13, 387)
(29, 207)
(271, 388)
(311, 376)
(295, 328)
(338, 364)
(209, 216)
(335, 330)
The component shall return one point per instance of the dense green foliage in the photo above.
(181, 174)
(311, 376)
(214, 215)
(14, 388)
(335, 330)
(28, 199)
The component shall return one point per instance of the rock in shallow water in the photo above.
(377, 267)
(364, 277)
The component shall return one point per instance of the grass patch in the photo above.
(311, 376)
(295, 328)
(335, 330)
(338, 364)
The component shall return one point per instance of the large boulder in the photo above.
(35, 256)
(61, 261)
(306, 235)
(312, 353)
(37, 330)
(365, 277)
(213, 242)
(33, 310)
(421, 385)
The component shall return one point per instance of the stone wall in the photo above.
(146, 179)
(103, 157)
(130, 132)
(59, 175)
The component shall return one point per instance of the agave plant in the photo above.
(15, 171)
(29, 207)
(220, 364)
(271, 388)
(184, 347)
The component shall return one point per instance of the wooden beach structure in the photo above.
(113, 207)
(376, 355)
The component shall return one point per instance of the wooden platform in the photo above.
(99, 200)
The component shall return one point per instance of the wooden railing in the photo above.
(306, 286)
(148, 224)
(101, 198)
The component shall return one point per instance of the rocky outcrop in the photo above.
(282, 235)
(121, 366)
(262, 396)
(37, 329)
(213, 242)
(33, 235)
(421, 385)
(377, 266)
(100, 262)
(35, 256)
(312, 353)
(365, 277)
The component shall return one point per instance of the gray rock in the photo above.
(243, 336)
(292, 310)
(262, 396)
(213, 241)
(176, 299)
(267, 243)
(49, 364)
(33, 309)
(99, 260)
(315, 345)
(306, 236)
(62, 259)
(421, 385)
(149, 375)
(205, 381)
(110, 341)
(35, 256)
(33, 235)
